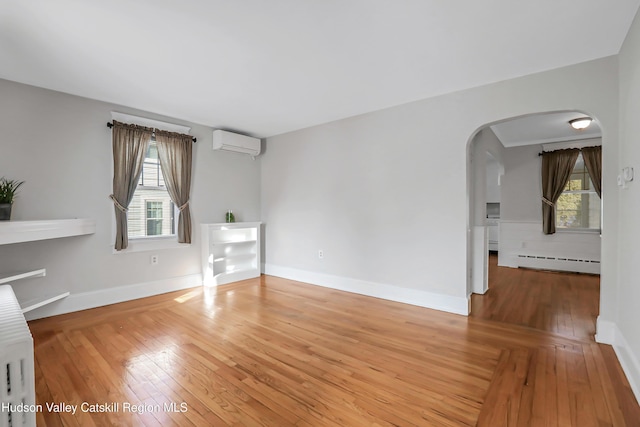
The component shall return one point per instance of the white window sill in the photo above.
(147, 244)
(579, 230)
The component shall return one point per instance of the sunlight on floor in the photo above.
(187, 296)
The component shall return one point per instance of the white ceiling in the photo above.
(268, 67)
(543, 129)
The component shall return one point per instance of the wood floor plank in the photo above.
(273, 352)
(562, 388)
(608, 390)
(501, 405)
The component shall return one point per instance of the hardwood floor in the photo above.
(562, 303)
(273, 352)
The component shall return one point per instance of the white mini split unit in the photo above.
(229, 141)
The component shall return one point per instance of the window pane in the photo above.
(151, 172)
(568, 208)
(574, 184)
(578, 206)
(593, 214)
(154, 218)
(154, 227)
(152, 151)
(154, 210)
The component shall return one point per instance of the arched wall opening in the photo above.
(520, 231)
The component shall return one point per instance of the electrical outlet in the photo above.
(154, 259)
(320, 254)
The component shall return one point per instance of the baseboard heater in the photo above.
(560, 263)
(17, 382)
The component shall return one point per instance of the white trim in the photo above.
(608, 333)
(605, 331)
(148, 244)
(143, 121)
(101, 297)
(448, 303)
(579, 230)
(479, 270)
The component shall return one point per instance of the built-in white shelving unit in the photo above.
(29, 231)
(230, 252)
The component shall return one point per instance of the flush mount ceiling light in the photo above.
(581, 123)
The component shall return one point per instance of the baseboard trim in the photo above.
(609, 333)
(450, 304)
(99, 298)
(605, 331)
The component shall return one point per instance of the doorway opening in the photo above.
(505, 220)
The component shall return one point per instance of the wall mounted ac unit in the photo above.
(229, 141)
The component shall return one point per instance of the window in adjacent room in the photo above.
(151, 211)
(579, 205)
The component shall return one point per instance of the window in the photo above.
(154, 218)
(579, 205)
(151, 212)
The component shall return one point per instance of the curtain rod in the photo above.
(110, 125)
(541, 153)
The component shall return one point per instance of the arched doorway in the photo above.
(514, 144)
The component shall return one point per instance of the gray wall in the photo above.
(494, 173)
(627, 299)
(522, 186)
(385, 194)
(60, 145)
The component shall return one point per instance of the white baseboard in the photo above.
(608, 333)
(605, 331)
(451, 304)
(93, 299)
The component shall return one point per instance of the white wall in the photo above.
(482, 170)
(60, 145)
(621, 325)
(521, 222)
(494, 174)
(521, 186)
(385, 194)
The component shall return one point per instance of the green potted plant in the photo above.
(8, 190)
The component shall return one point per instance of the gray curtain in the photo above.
(174, 152)
(130, 144)
(593, 161)
(556, 171)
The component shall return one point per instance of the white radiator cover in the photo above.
(17, 382)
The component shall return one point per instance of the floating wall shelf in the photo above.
(29, 231)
